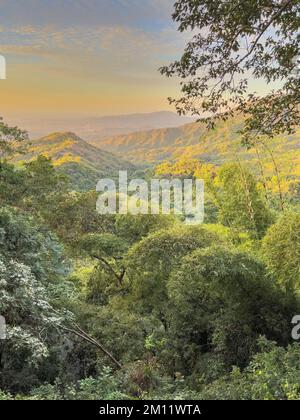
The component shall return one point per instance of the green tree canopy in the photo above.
(241, 204)
(24, 241)
(281, 248)
(222, 301)
(273, 374)
(12, 140)
(152, 260)
(31, 322)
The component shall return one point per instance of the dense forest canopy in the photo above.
(145, 306)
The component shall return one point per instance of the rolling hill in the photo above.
(84, 163)
(194, 141)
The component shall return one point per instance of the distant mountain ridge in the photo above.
(95, 128)
(86, 163)
(218, 146)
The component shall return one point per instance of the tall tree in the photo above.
(241, 205)
(281, 249)
(11, 140)
(234, 41)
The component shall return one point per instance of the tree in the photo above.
(133, 228)
(12, 185)
(41, 181)
(12, 140)
(151, 261)
(273, 374)
(73, 214)
(193, 168)
(221, 303)
(33, 186)
(233, 41)
(182, 168)
(240, 203)
(31, 322)
(281, 249)
(26, 242)
(109, 251)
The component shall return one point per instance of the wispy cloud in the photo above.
(98, 51)
(61, 13)
(114, 46)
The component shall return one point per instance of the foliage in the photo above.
(11, 140)
(23, 240)
(153, 258)
(232, 41)
(240, 202)
(281, 248)
(273, 374)
(32, 186)
(73, 214)
(133, 228)
(42, 180)
(182, 168)
(177, 310)
(221, 303)
(30, 317)
(104, 387)
(110, 252)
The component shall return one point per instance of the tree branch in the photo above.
(106, 265)
(82, 334)
(268, 24)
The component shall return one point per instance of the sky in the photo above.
(70, 58)
(86, 57)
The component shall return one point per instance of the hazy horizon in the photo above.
(88, 58)
(98, 127)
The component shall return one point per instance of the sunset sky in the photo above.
(86, 57)
(93, 57)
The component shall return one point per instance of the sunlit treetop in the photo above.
(12, 140)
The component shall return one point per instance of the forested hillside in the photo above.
(218, 146)
(122, 305)
(84, 163)
(141, 307)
